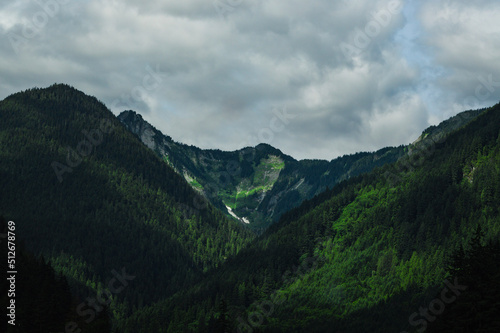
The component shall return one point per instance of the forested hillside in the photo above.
(367, 255)
(88, 196)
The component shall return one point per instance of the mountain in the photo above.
(111, 233)
(398, 249)
(259, 184)
(98, 205)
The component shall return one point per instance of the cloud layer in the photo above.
(345, 76)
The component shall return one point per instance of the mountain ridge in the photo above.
(290, 183)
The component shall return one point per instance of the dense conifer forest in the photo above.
(117, 206)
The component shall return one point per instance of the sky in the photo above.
(317, 79)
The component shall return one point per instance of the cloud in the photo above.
(463, 39)
(213, 73)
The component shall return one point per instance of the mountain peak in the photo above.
(129, 113)
(267, 148)
(59, 101)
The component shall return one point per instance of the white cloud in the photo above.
(221, 77)
(463, 39)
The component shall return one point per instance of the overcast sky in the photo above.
(343, 76)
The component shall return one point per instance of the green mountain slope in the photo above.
(365, 256)
(88, 195)
(259, 184)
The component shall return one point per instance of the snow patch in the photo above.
(244, 220)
